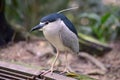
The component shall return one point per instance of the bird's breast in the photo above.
(52, 34)
(54, 39)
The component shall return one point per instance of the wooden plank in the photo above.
(18, 69)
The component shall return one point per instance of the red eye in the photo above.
(47, 22)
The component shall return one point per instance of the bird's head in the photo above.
(46, 20)
(52, 18)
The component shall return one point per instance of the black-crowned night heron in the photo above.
(60, 32)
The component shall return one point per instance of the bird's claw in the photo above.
(65, 71)
(46, 72)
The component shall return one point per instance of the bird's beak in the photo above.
(39, 26)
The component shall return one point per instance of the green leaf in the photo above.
(79, 76)
(105, 17)
(91, 39)
(92, 16)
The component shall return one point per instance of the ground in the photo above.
(39, 53)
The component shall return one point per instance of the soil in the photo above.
(40, 53)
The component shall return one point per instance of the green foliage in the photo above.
(79, 76)
(103, 27)
(91, 39)
(28, 12)
(92, 45)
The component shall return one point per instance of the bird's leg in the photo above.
(52, 66)
(66, 63)
(67, 66)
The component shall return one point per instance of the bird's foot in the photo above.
(67, 70)
(46, 72)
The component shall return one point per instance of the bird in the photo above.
(61, 33)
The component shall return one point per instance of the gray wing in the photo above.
(70, 40)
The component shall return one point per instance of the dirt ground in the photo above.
(40, 53)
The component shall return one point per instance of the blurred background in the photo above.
(97, 21)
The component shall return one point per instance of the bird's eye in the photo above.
(47, 22)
